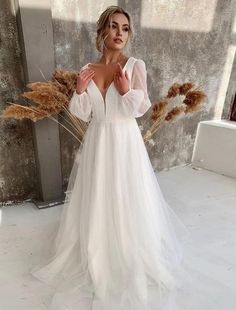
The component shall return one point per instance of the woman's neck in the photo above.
(109, 58)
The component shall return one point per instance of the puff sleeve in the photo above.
(136, 102)
(80, 106)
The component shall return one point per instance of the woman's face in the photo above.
(117, 32)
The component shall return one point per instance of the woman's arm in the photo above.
(80, 106)
(136, 101)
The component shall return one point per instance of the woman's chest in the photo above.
(104, 76)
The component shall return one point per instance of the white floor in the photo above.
(205, 202)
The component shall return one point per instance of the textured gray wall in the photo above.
(179, 41)
(17, 164)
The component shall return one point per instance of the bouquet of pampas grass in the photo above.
(162, 111)
(48, 98)
(52, 97)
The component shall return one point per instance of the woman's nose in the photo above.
(118, 31)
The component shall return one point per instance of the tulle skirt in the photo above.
(119, 245)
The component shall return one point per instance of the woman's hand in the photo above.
(121, 80)
(83, 78)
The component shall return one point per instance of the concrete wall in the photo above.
(17, 161)
(179, 41)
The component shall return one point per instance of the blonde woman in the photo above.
(116, 245)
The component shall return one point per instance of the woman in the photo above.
(116, 246)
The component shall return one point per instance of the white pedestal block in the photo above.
(215, 147)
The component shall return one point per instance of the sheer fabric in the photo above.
(136, 101)
(80, 106)
(119, 245)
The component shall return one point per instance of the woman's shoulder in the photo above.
(84, 67)
(139, 63)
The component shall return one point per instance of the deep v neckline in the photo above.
(104, 97)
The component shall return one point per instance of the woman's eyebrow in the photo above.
(117, 23)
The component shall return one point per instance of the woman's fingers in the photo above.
(89, 76)
(84, 76)
(126, 75)
(115, 78)
(120, 70)
(86, 72)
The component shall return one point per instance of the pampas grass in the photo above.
(47, 99)
(163, 112)
(19, 112)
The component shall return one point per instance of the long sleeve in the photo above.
(80, 106)
(136, 101)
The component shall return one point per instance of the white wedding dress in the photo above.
(119, 246)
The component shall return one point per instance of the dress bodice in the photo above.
(108, 108)
(90, 105)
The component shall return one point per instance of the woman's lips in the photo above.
(119, 41)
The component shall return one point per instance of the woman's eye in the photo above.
(113, 26)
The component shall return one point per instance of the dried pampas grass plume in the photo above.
(162, 111)
(158, 109)
(174, 113)
(184, 88)
(173, 90)
(48, 98)
(193, 100)
(19, 112)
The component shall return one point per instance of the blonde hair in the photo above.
(102, 23)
